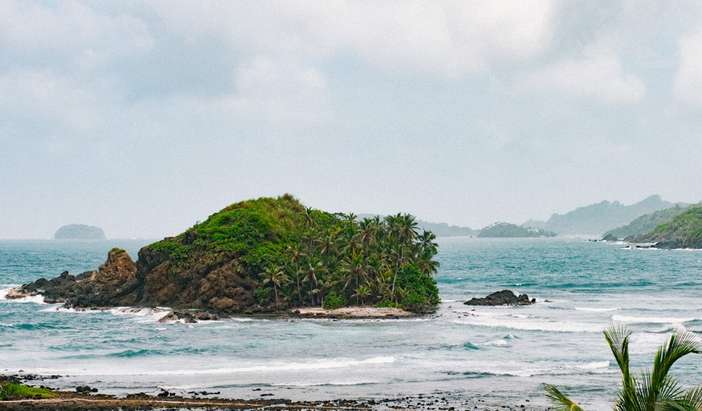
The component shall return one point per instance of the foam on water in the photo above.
(36, 299)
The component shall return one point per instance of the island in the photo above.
(644, 224)
(507, 230)
(79, 232)
(267, 255)
(683, 231)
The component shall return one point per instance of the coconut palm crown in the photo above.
(654, 390)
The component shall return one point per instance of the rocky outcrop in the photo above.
(504, 297)
(188, 317)
(111, 284)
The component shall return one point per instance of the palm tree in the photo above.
(276, 277)
(652, 391)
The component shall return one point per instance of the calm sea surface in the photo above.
(581, 288)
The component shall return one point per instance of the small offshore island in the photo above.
(79, 232)
(266, 256)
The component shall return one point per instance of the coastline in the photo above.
(165, 400)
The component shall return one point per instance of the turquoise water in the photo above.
(508, 353)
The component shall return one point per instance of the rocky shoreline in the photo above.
(85, 398)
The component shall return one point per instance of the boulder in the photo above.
(504, 297)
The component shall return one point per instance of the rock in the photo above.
(188, 317)
(504, 297)
(85, 389)
(110, 285)
(17, 293)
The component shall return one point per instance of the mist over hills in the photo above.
(601, 217)
(439, 229)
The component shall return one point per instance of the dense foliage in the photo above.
(12, 390)
(644, 224)
(507, 230)
(683, 231)
(300, 256)
(651, 391)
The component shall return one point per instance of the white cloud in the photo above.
(688, 79)
(596, 74)
(447, 37)
(72, 30)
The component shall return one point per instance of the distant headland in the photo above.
(79, 232)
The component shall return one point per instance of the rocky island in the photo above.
(268, 255)
(79, 232)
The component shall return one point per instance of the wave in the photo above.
(310, 365)
(597, 309)
(527, 324)
(36, 299)
(651, 320)
(593, 367)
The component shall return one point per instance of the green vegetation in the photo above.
(683, 231)
(298, 256)
(507, 230)
(11, 390)
(644, 224)
(651, 391)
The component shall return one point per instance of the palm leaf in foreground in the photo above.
(655, 390)
(560, 401)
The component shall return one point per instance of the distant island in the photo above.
(439, 229)
(507, 230)
(79, 232)
(266, 255)
(644, 224)
(596, 219)
(683, 231)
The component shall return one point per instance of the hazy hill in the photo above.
(683, 231)
(79, 232)
(439, 229)
(599, 218)
(645, 224)
(507, 230)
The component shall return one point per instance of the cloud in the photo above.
(69, 30)
(596, 74)
(444, 38)
(688, 78)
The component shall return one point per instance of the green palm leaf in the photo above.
(560, 400)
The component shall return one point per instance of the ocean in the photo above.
(501, 353)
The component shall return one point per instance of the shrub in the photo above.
(17, 391)
(333, 301)
(420, 291)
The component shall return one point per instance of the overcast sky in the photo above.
(145, 117)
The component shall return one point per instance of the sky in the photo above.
(144, 117)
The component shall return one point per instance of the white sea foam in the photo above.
(650, 320)
(597, 309)
(528, 324)
(36, 299)
(310, 365)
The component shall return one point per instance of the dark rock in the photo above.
(188, 317)
(85, 389)
(504, 297)
(110, 285)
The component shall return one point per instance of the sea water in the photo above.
(504, 353)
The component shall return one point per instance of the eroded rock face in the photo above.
(504, 297)
(111, 284)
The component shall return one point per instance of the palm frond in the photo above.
(560, 400)
(677, 346)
